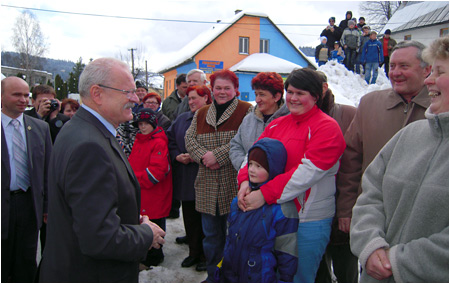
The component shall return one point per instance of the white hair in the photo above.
(98, 72)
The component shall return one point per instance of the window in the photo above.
(243, 45)
(443, 32)
(264, 46)
(407, 37)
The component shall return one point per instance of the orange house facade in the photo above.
(229, 43)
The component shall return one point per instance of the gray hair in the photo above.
(412, 43)
(98, 72)
(202, 74)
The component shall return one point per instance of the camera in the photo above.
(53, 105)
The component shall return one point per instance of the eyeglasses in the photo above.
(128, 93)
(151, 103)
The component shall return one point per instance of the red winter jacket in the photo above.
(150, 161)
(314, 144)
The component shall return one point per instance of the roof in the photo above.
(263, 62)
(195, 46)
(418, 14)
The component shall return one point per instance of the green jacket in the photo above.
(170, 105)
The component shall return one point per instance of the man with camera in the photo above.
(47, 108)
(332, 32)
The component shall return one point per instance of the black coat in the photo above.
(183, 175)
(93, 230)
(55, 124)
(332, 36)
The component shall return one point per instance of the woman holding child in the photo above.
(314, 144)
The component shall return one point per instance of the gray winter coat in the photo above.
(251, 128)
(404, 204)
(350, 37)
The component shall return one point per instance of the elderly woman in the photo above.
(399, 228)
(153, 101)
(69, 107)
(208, 144)
(314, 143)
(270, 105)
(184, 173)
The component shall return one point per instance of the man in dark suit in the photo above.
(26, 148)
(94, 231)
(46, 109)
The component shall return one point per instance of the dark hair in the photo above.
(306, 79)
(362, 18)
(71, 102)
(201, 91)
(269, 81)
(328, 97)
(180, 79)
(42, 89)
(226, 75)
(151, 95)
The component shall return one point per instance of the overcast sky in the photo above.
(73, 36)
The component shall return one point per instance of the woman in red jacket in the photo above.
(314, 144)
(151, 165)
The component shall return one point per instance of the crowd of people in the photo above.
(293, 189)
(356, 46)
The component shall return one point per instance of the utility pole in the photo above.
(132, 60)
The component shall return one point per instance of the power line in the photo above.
(144, 19)
(172, 20)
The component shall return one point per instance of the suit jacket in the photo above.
(55, 124)
(93, 230)
(39, 147)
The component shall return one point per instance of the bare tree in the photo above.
(378, 13)
(139, 55)
(29, 41)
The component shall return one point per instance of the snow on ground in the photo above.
(348, 87)
(170, 270)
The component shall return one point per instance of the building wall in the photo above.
(279, 46)
(37, 76)
(225, 48)
(425, 35)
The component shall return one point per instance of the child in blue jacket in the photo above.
(372, 56)
(261, 245)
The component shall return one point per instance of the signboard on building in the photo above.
(210, 66)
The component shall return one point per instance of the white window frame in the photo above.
(264, 46)
(244, 43)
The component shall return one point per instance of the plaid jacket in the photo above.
(215, 187)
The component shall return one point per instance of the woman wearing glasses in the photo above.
(153, 101)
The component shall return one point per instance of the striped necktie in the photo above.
(20, 157)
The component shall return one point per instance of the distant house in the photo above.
(229, 42)
(37, 76)
(420, 21)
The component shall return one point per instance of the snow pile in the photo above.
(264, 62)
(348, 87)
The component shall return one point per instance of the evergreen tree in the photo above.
(60, 88)
(74, 76)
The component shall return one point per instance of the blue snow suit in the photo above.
(262, 242)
